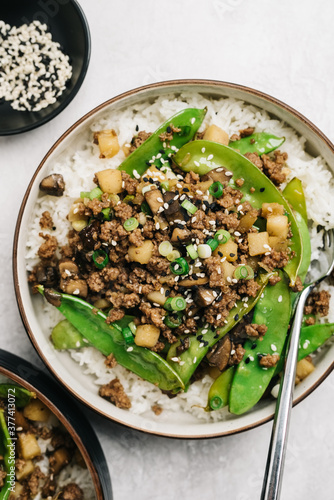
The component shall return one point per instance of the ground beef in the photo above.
(254, 158)
(274, 279)
(249, 287)
(33, 480)
(169, 134)
(318, 303)
(159, 266)
(191, 178)
(95, 282)
(110, 274)
(46, 220)
(123, 211)
(269, 360)
(47, 249)
(110, 361)
(136, 238)
(49, 488)
(310, 321)
(275, 260)
(114, 392)
(246, 132)
(230, 197)
(126, 300)
(239, 182)
(148, 230)
(130, 184)
(214, 271)
(237, 353)
(71, 492)
(298, 286)
(255, 331)
(229, 221)
(112, 230)
(138, 140)
(114, 315)
(274, 168)
(157, 409)
(155, 315)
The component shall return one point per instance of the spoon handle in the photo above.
(279, 437)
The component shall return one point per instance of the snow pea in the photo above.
(251, 379)
(186, 363)
(260, 142)
(153, 152)
(9, 462)
(22, 396)
(108, 339)
(203, 156)
(220, 390)
(294, 194)
(65, 336)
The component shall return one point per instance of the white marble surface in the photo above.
(283, 48)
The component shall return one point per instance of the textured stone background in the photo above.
(283, 48)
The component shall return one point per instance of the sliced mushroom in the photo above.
(154, 199)
(89, 235)
(204, 297)
(53, 184)
(180, 235)
(174, 210)
(188, 282)
(220, 354)
(68, 268)
(76, 287)
(47, 276)
(217, 174)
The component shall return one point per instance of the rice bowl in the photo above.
(183, 415)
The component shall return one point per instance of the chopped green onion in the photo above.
(190, 207)
(175, 254)
(84, 194)
(216, 189)
(145, 208)
(95, 193)
(167, 304)
(129, 197)
(216, 403)
(165, 248)
(128, 336)
(222, 236)
(178, 303)
(131, 224)
(192, 252)
(243, 273)
(132, 327)
(204, 251)
(173, 320)
(100, 259)
(213, 244)
(106, 213)
(164, 185)
(179, 266)
(114, 198)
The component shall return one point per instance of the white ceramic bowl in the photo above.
(65, 369)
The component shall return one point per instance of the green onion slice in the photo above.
(243, 273)
(132, 327)
(131, 224)
(145, 208)
(178, 304)
(190, 207)
(216, 403)
(179, 266)
(192, 252)
(129, 197)
(106, 213)
(173, 320)
(100, 259)
(167, 304)
(216, 189)
(175, 254)
(95, 193)
(213, 244)
(84, 194)
(164, 185)
(165, 248)
(128, 336)
(222, 236)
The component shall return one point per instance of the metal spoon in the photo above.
(279, 437)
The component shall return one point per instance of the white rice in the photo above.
(78, 171)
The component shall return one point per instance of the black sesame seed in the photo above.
(162, 151)
(205, 342)
(247, 360)
(254, 345)
(220, 254)
(262, 189)
(219, 299)
(137, 128)
(236, 317)
(151, 181)
(167, 292)
(232, 254)
(199, 337)
(148, 163)
(168, 130)
(145, 179)
(186, 190)
(260, 356)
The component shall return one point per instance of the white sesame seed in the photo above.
(196, 163)
(182, 363)
(229, 174)
(273, 347)
(203, 150)
(114, 243)
(237, 233)
(175, 359)
(192, 121)
(201, 344)
(280, 298)
(160, 200)
(195, 359)
(232, 352)
(210, 157)
(135, 173)
(306, 343)
(129, 349)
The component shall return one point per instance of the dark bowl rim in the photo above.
(76, 88)
(80, 430)
(152, 86)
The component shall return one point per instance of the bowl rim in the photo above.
(76, 88)
(47, 391)
(89, 114)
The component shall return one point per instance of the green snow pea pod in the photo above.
(109, 339)
(251, 379)
(203, 156)
(186, 363)
(9, 461)
(65, 336)
(22, 396)
(260, 142)
(152, 152)
(220, 390)
(294, 194)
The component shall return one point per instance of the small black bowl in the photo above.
(64, 407)
(68, 26)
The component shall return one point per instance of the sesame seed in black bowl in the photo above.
(45, 51)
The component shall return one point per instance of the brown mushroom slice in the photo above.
(220, 354)
(191, 282)
(217, 175)
(154, 200)
(53, 184)
(76, 287)
(47, 276)
(180, 235)
(204, 297)
(68, 268)
(174, 210)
